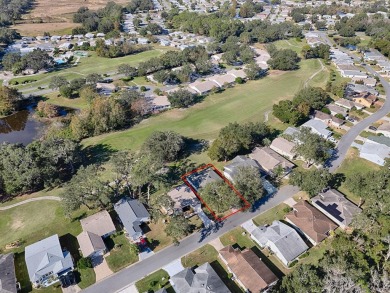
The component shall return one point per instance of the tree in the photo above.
(165, 145)
(287, 113)
(57, 81)
(285, 59)
(88, 93)
(178, 227)
(127, 70)
(312, 147)
(182, 98)
(314, 97)
(93, 78)
(220, 197)
(304, 278)
(10, 59)
(253, 71)
(311, 181)
(48, 110)
(10, 100)
(249, 184)
(84, 263)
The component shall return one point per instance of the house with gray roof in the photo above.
(132, 214)
(336, 207)
(231, 170)
(203, 279)
(281, 239)
(46, 261)
(8, 283)
(318, 127)
(202, 178)
(376, 149)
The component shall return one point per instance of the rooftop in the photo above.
(99, 223)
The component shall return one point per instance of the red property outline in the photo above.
(184, 178)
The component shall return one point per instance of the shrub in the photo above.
(84, 263)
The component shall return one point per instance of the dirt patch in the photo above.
(17, 224)
(35, 29)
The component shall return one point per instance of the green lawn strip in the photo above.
(121, 255)
(276, 213)
(87, 277)
(206, 253)
(153, 282)
(238, 237)
(243, 103)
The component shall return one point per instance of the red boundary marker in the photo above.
(204, 167)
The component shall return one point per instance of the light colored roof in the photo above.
(239, 161)
(237, 73)
(202, 280)
(334, 203)
(221, 79)
(203, 86)
(46, 256)
(268, 159)
(292, 131)
(202, 178)
(311, 221)
(248, 268)
(318, 126)
(99, 223)
(385, 126)
(286, 240)
(283, 145)
(90, 242)
(337, 109)
(345, 103)
(183, 196)
(383, 140)
(160, 101)
(7, 273)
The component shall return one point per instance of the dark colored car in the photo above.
(372, 128)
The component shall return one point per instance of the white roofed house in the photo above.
(376, 149)
(284, 147)
(158, 103)
(203, 87)
(318, 127)
(46, 261)
(335, 109)
(237, 73)
(223, 79)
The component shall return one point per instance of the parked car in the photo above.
(351, 119)
(373, 128)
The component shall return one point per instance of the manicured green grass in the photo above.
(200, 256)
(56, 99)
(121, 254)
(87, 276)
(157, 238)
(153, 282)
(276, 213)
(243, 103)
(237, 236)
(53, 192)
(291, 44)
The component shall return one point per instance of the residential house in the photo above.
(8, 283)
(362, 100)
(248, 269)
(336, 207)
(132, 214)
(310, 222)
(183, 199)
(334, 110)
(223, 79)
(291, 131)
(203, 87)
(270, 161)
(158, 103)
(281, 239)
(203, 177)
(95, 229)
(231, 170)
(353, 88)
(328, 119)
(106, 88)
(376, 149)
(384, 128)
(372, 55)
(202, 279)
(283, 147)
(318, 127)
(237, 73)
(369, 81)
(348, 104)
(46, 261)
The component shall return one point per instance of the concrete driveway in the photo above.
(101, 268)
(71, 289)
(174, 267)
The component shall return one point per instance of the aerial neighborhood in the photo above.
(194, 146)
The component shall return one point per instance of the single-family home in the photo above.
(369, 81)
(310, 222)
(8, 283)
(328, 119)
(183, 199)
(360, 99)
(360, 88)
(372, 55)
(334, 110)
(270, 161)
(95, 229)
(223, 79)
(46, 261)
(376, 149)
(132, 214)
(237, 73)
(159, 103)
(202, 279)
(318, 127)
(348, 104)
(202, 178)
(231, 170)
(284, 147)
(203, 87)
(142, 41)
(89, 35)
(336, 207)
(106, 88)
(291, 132)
(384, 128)
(248, 269)
(281, 239)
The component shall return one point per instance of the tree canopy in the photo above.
(220, 197)
(165, 145)
(285, 59)
(249, 184)
(311, 181)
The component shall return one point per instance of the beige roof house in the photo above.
(283, 147)
(203, 87)
(237, 73)
(384, 128)
(182, 197)
(348, 104)
(222, 79)
(159, 103)
(91, 244)
(250, 271)
(100, 224)
(314, 224)
(269, 160)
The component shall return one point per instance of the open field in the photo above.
(37, 29)
(243, 103)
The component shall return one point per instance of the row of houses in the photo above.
(380, 60)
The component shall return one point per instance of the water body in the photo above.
(21, 127)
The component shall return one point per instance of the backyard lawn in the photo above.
(243, 103)
(153, 282)
(121, 254)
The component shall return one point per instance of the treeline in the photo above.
(10, 100)
(321, 51)
(221, 27)
(118, 50)
(11, 10)
(35, 60)
(25, 169)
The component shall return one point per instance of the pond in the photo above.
(21, 127)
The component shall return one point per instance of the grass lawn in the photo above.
(158, 239)
(87, 277)
(351, 165)
(56, 99)
(243, 103)
(237, 236)
(276, 213)
(198, 257)
(45, 192)
(292, 44)
(121, 254)
(153, 282)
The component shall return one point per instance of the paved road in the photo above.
(139, 270)
(56, 198)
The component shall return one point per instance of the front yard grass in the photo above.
(157, 237)
(121, 254)
(87, 276)
(237, 236)
(200, 256)
(153, 282)
(276, 213)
